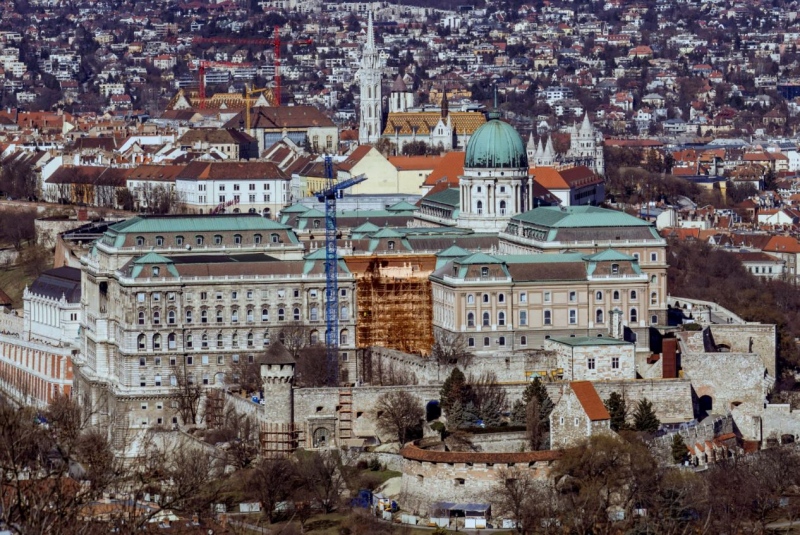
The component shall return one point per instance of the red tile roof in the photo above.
(590, 400)
(450, 166)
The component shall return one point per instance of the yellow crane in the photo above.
(248, 94)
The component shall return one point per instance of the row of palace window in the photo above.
(155, 297)
(157, 342)
(314, 314)
(633, 295)
(591, 363)
(200, 239)
(547, 317)
(189, 360)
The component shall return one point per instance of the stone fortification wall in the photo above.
(10, 324)
(48, 229)
(729, 379)
(465, 477)
(510, 441)
(749, 338)
(779, 420)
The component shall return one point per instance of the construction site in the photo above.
(394, 302)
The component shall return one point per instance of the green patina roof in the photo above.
(403, 206)
(207, 223)
(496, 144)
(366, 227)
(311, 260)
(152, 258)
(542, 258)
(387, 233)
(578, 216)
(313, 212)
(295, 209)
(588, 341)
(448, 197)
(479, 258)
(609, 255)
(454, 251)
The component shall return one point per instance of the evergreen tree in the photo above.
(453, 390)
(678, 448)
(534, 410)
(644, 417)
(615, 404)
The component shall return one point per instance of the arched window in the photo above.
(217, 239)
(654, 298)
(199, 240)
(599, 316)
(264, 314)
(485, 298)
(615, 295)
(237, 239)
(156, 271)
(343, 337)
(470, 320)
(653, 279)
(159, 241)
(141, 342)
(296, 314)
(156, 317)
(235, 340)
(250, 315)
(484, 271)
(274, 238)
(633, 295)
(249, 339)
(281, 314)
(634, 316)
(470, 299)
(172, 341)
(391, 245)
(501, 298)
(598, 296)
(502, 207)
(141, 317)
(486, 319)
(235, 315)
(314, 314)
(188, 315)
(189, 341)
(171, 317)
(257, 239)
(501, 318)
(139, 241)
(156, 342)
(615, 269)
(204, 340)
(479, 207)
(266, 338)
(314, 337)
(344, 314)
(204, 316)
(219, 315)
(219, 340)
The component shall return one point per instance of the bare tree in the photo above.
(399, 415)
(274, 481)
(451, 349)
(322, 476)
(188, 393)
(530, 504)
(378, 370)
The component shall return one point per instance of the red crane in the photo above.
(275, 42)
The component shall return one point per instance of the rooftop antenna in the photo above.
(495, 97)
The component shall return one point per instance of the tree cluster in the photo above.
(614, 484)
(18, 180)
(533, 411)
(473, 400)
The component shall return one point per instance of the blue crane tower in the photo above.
(328, 196)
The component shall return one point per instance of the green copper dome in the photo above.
(496, 145)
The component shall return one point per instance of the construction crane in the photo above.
(328, 195)
(248, 93)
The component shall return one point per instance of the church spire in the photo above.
(445, 104)
(370, 33)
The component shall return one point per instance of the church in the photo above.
(441, 128)
(585, 149)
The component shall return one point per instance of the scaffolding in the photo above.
(215, 408)
(395, 307)
(278, 440)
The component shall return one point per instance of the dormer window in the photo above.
(139, 241)
(156, 271)
(484, 271)
(217, 240)
(615, 269)
(159, 241)
(391, 245)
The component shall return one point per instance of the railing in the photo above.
(634, 276)
(173, 280)
(450, 278)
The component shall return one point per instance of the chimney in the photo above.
(83, 214)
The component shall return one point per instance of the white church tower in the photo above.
(369, 75)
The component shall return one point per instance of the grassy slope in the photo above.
(13, 280)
